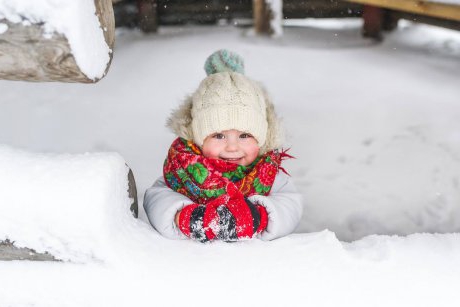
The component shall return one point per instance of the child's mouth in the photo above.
(231, 159)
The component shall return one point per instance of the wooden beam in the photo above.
(27, 55)
(439, 22)
(261, 17)
(373, 20)
(148, 16)
(433, 9)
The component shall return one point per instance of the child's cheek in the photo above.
(210, 151)
(252, 154)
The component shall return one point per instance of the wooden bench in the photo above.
(381, 15)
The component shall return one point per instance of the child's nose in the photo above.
(232, 145)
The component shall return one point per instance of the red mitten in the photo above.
(201, 222)
(225, 218)
(263, 218)
(247, 218)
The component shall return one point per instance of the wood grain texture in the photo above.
(433, 9)
(261, 17)
(25, 54)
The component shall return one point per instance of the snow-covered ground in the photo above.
(376, 134)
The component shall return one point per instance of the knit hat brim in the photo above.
(213, 120)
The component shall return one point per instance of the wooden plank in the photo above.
(439, 22)
(439, 10)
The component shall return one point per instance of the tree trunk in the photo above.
(25, 54)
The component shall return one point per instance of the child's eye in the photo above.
(245, 136)
(218, 136)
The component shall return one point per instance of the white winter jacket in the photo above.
(284, 208)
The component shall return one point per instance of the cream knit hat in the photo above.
(227, 99)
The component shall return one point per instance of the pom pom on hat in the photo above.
(224, 61)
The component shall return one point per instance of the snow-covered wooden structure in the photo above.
(381, 15)
(267, 14)
(10, 252)
(62, 207)
(63, 40)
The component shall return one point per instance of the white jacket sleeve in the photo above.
(284, 208)
(161, 205)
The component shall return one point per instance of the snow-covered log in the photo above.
(62, 207)
(56, 40)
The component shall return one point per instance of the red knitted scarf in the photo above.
(214, 182)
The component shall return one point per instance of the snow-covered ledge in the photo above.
(56, 40)
(61, 207)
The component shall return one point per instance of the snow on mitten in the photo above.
(191, 221)
(246, 217)
(227, 225)
(223, 219)
(201, 222)
(227, 221)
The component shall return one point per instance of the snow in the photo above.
(76, 20)
(375, 131)
(76, 194)
(3, 28)
(308, 269)
(276, 21)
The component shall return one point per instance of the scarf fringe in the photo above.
(285, 156)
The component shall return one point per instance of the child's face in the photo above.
(232, 146)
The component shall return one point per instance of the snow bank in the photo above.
(77, 208)
(314, 269)
(76, 20)
(68, 205)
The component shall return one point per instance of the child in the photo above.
(223, 177)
